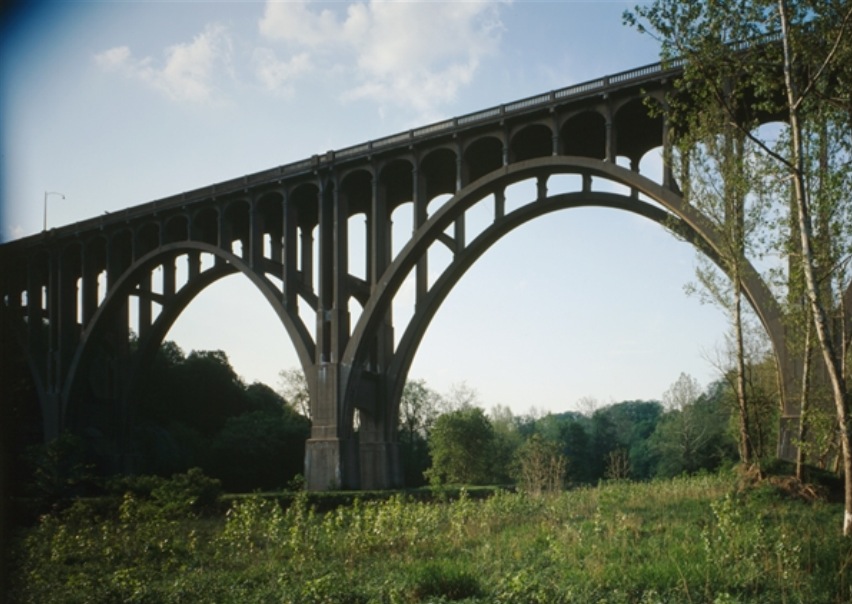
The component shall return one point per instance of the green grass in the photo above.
(693, 540)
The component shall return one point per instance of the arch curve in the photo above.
(672, 213)
(174, 307)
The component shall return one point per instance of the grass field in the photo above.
(689, 540)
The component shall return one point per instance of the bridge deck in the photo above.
(596, 87)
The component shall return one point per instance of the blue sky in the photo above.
(114, 104)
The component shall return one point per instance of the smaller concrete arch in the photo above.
(235, 225)
(482, 156)
(95, 249)
(531, 141)
(270, 204)
(304, 200)
(147, 237)
(636, 132)
(357, 187)
(584, 135)
(439, 169)
(176, 228)
(205, 225)
(369, 167)
(120, 252)
(396, 182)
(72, 254)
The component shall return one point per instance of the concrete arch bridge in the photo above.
(69, 295)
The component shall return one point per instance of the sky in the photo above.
(107, 105)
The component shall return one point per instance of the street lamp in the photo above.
(46, 193)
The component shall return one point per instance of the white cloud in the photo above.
(114, 58)
(279, 76)
(398, 54)
(188, 70)
(295, 22)
(414, 54)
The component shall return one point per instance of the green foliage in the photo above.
(59, 469)
(540, 467)
(460, 443)
(782, 190)
(444, 579)
(693, 539)
(189, 491)
(418, 410)
(195, 411)
(694, 435)
(260, 449)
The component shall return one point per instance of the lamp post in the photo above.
(46, 193)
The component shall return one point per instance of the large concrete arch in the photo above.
(674, 214)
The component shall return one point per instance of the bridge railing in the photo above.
(506, 110)
(576, 91)
(596, 86)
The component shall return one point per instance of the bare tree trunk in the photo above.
(742, 401)
(820, 320)
(735, 225)
(804, 405)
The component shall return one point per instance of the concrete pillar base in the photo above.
(329, 464)
(380, 465)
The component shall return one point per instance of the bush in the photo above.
(443, 579)
(190, 491)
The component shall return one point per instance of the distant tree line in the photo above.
(194, 411)
(629, 440)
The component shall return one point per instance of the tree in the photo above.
(684, 392)
(460, 444)
(575, 447)
(460, 396)
(603, 439)
(262, 449)
(539, 466)
(507, 440)
(418, 409)
(804, 78)
(293, 386)
(626, 427)
(692, 435)
(196, 411)
(211, 389)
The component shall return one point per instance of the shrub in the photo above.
(192, 491)
(443, 579)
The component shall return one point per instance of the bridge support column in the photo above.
(331, 454)
(378, 455)
(380, 465)
(329, 463)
